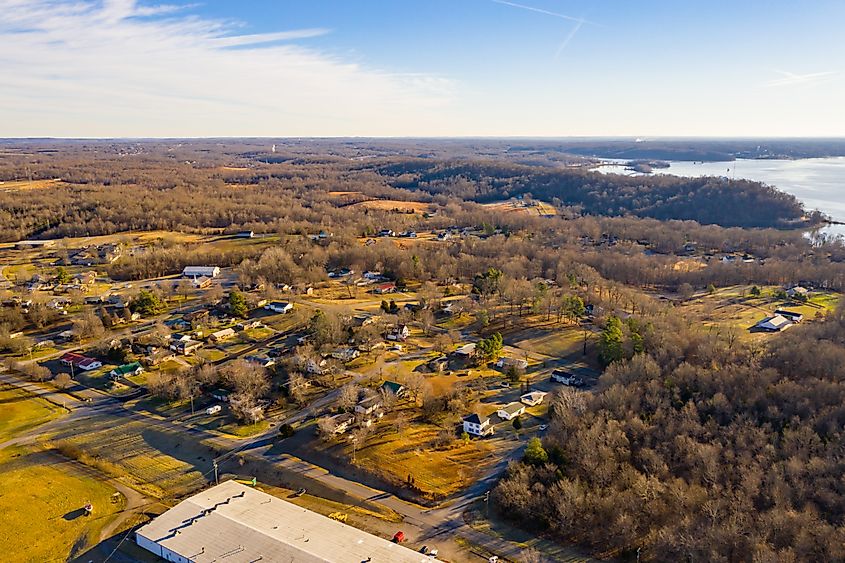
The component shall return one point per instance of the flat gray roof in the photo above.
(236, 523)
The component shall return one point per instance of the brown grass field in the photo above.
(391, 204)
(435, 472)
(508, 207)
(26, 185)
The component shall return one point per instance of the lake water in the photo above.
(818, 182)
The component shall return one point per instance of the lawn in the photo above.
(557, 342)
(259, 334)
(437, 473)
(733, 308)
(41, 500)
(20, 411)
(211, 354)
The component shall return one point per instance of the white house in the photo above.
(368, 406)
(279, 306)
(401, 332)
(222, 335)
(511, 410)
(342, 422)
(533, 398)
(201, 271)
(797, 291)
(477, 425)
(88, 364)
(346, 354)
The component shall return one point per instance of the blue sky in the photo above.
(421, 68)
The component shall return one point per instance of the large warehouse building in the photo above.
(235, 523)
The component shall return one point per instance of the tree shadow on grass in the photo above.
(74, 514)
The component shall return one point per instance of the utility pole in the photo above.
(487, 503)
(585, 342)
(216, 480)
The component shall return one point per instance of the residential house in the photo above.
(389, 287)
(401, 333)
(200, 271)
(315, 367)
(533, 398)
(567, 378)
(476, 425)
(515, 363)
(221, 335)
(511, 410)
(247, 325)
(342, 422)
(186, 347)
(439, 364)
(81, 362)
(797, 292)
(156, 356)
(393, 387)
(133, 368)
(368, 406)
(279, 306)
(245, 234)
(346, 354)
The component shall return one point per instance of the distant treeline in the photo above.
(109, 187)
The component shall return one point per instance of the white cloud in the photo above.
(792, 79)
(116, 68)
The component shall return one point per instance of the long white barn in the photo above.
(235, 523)
(201, 271)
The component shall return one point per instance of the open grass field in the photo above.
(435, 472)
(734, 308)
(159, 462)
(20, 411)
(510, 207)
(556, 342)
(392, 204)
(41, 501)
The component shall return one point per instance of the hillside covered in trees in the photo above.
(705, 200)
(699, 450)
